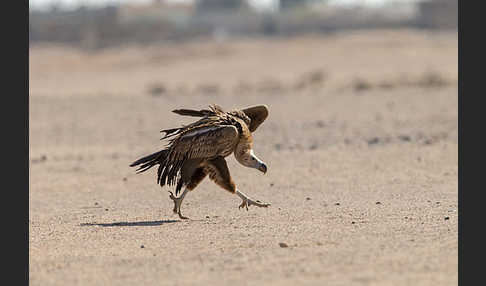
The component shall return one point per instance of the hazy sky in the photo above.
(258, 3)
(74, 3)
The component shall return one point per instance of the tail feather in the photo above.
(149, 161)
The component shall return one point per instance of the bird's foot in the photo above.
(177, 205)
(246, 201)
(249, 202)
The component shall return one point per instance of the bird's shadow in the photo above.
(134, 223)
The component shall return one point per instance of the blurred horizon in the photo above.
(111, 23)
(260, 5)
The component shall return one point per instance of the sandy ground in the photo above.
(361, 145)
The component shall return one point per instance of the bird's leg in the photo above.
(250, 202)
(178, 203)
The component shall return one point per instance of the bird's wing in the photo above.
(195, 113)
(205, 142)
(257, 114)
(213, 109)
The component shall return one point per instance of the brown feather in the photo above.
(195, 113)
(198, 149)
(218, 171)
(257, 114)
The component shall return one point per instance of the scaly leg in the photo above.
(249, 202)
(178, 203)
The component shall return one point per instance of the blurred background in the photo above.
(104, 23)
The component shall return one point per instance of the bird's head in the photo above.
(248, 159)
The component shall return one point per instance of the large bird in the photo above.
(198, 150)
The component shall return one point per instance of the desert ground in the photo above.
(360, 143)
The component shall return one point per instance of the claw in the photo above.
(177, 205)
(244, 204)
(181, 216)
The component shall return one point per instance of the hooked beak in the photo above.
(263, 168)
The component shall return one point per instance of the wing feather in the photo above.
(207, 142)
(195, 113)
(257, 114)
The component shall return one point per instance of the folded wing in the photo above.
(198, 143)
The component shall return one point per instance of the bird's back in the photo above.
(212, 119)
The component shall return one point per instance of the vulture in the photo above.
(197, 150)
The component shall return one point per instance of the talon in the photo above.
(241, 205)
(181, 216)
(244, 204)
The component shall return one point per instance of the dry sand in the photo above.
(361, 145)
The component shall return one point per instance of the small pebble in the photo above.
(207, 216)
(308, 198)
(352, 222)
(271, 184)
(96, 203)
(124, 179)
(378, 203)
(337, 204)
(141, 246)
(106, 209)
(283, 244)
(373, 141)
(446, 218)
(404, 138)
(321, 123)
